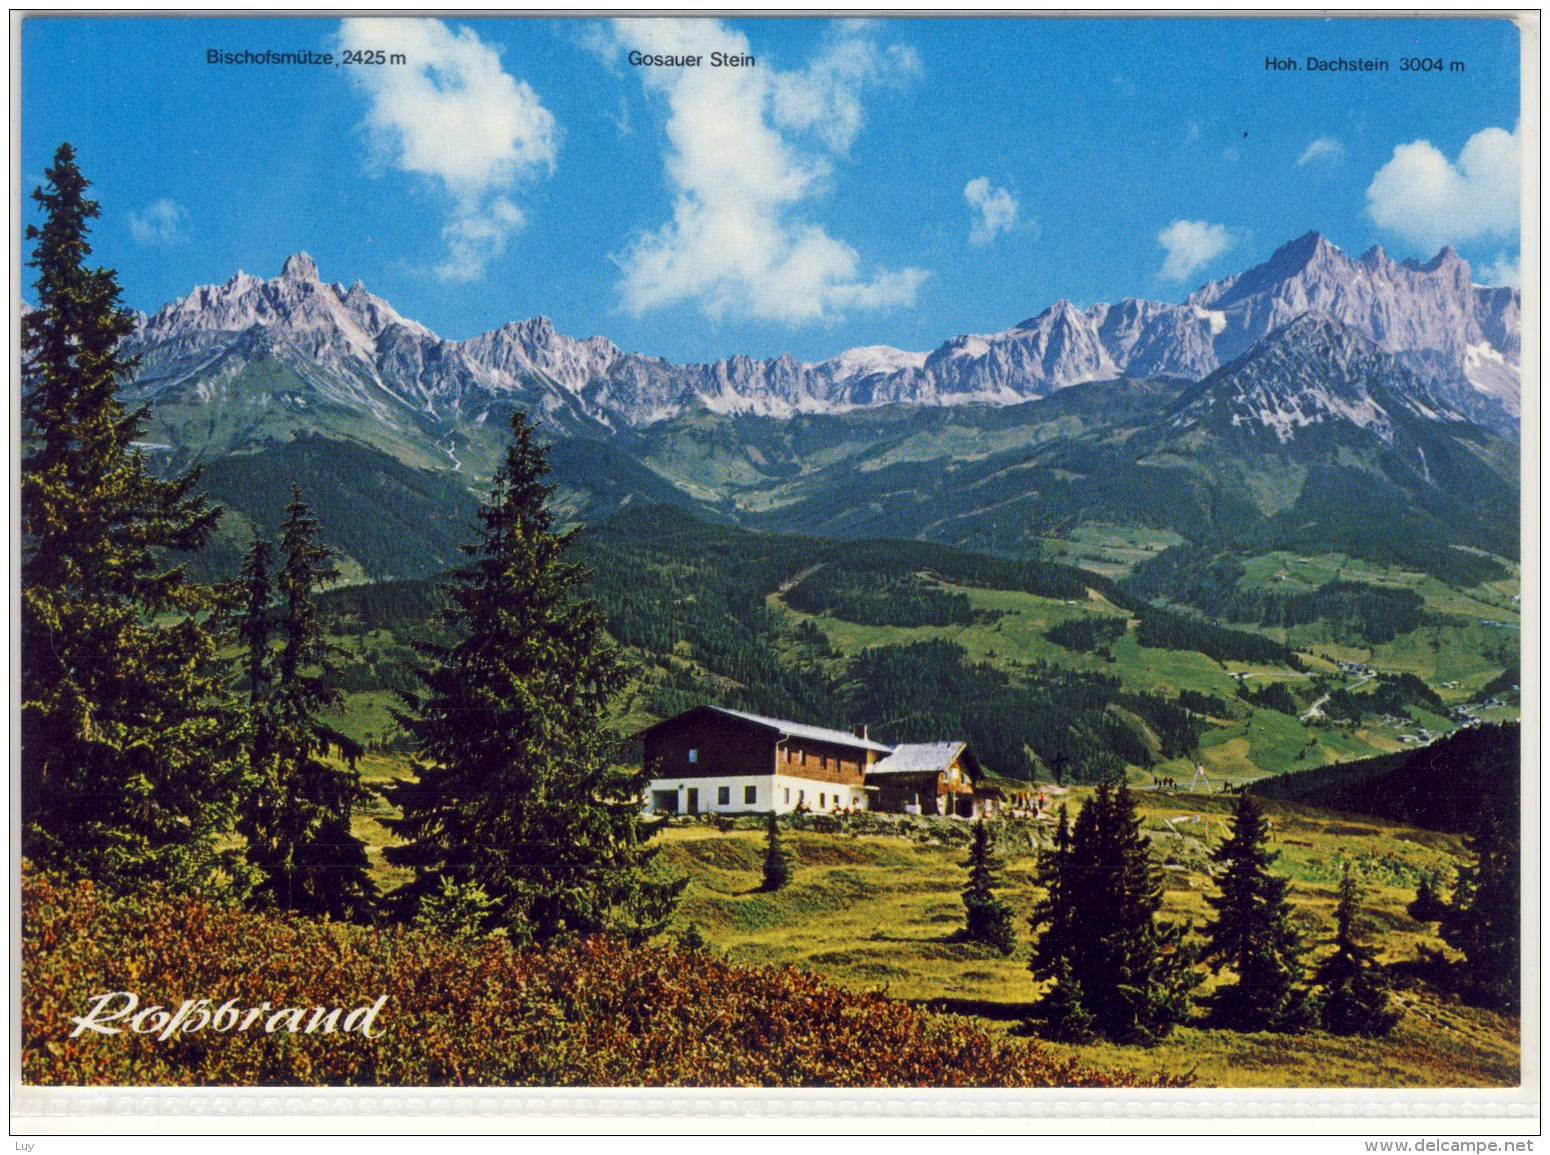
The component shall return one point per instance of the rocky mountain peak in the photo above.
(299, 267)
(1316, 326)
(1312, 248)
(1376, 258)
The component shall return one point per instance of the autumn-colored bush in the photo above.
(465, 1012)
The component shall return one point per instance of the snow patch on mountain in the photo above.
(869, 361)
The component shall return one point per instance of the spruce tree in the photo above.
(255, 633)
(297, 822)
(131, 768)
(1428, 904)
(1064, 1010)
(255, 624)
(1253, 933)
(456, 910)
(515, 786)
(986, 918)
(1354, 997)
(1145, 965)
(1055, 913)
(777, 863)
(1123, 968)
(1483, 919)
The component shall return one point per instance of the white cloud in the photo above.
(825, 97)
(456, 117)
(1192, 245)
(993, 210)
(1422, 196)
(159, 223)
(1324, 148)
(750, 151)
(1504, 270)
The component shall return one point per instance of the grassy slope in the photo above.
(876, 907)
(873, 911)
(1470, 634)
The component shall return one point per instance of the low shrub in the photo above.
(468, 1012)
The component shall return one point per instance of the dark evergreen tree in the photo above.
(1483, 919)
(515, 785)
(255, 624)
(986, 918)
(306, 786)
(1354, 997)
(1055, 913)
(1428, 904)
(456, 910)
(1064, 1010)
(131, 741)
(777, 863)
(1253, 933)
(1143, 969)
(255, 634)
(1124, 967)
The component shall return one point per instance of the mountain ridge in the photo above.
(356, 349)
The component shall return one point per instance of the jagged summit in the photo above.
(299, 267)
(1311, 246)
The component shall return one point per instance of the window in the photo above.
(750, 794)
(821, 802)
(694, 755)
(787, 797)
(723, 795)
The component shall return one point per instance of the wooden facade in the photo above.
(704, 744)
(710, 759)
(823, 761)
(937, 784)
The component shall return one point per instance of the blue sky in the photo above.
(890, 183)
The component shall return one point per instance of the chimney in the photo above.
(863, 732)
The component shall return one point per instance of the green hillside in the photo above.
(390, 519)
(1095, 473)
(1442, 786)
(1048, 670)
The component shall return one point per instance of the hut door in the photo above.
(694, 800)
